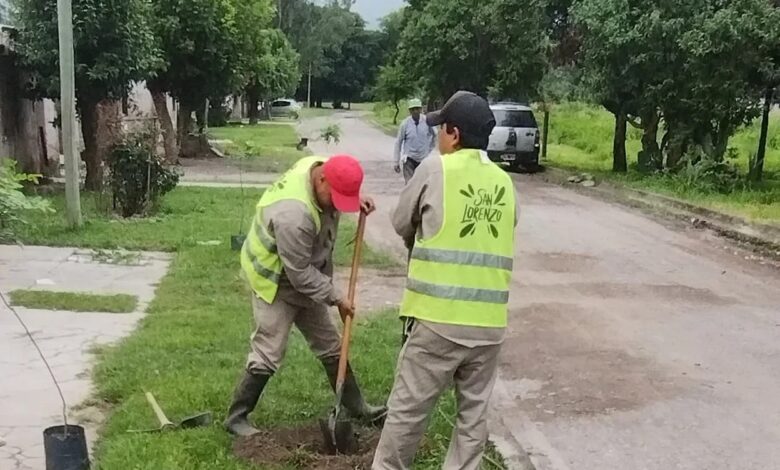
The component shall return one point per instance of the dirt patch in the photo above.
(557, 262)
(562, 369)
(302, 447)
(377, 290)
(673, 293)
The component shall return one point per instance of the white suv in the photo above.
(515, 139)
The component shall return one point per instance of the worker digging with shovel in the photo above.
(287, 258)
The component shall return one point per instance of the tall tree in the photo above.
(392, 86)
(317, 32)
(770, 75)
(199, 40)
(448, 45)
(353, 67)
(113, 46)
(272, 71)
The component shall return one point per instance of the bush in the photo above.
(137, 176)
(700, 173)
(13, 202)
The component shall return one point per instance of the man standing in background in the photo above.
(415, 141)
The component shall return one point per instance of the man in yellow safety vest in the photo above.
(287, 261)
(457, 215)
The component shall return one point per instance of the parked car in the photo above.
(285, 107)
(515, 139)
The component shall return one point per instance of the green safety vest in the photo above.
(461, 275)
(260, 260)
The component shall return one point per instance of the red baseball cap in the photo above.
(345, 176)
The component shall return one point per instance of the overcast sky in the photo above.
(373, 10)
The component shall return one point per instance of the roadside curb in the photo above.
(764, 237)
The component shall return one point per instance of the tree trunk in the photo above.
(267, 110)
(184, 122)
(651, 158)
(160, 101)
(397, 112)
(546, 132)
(101, 126)
(619, 162)
(757, 167)
(253, 101)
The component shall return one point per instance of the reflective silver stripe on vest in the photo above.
(458, 293)
(259, 268)
(267, 241)
(468, 258)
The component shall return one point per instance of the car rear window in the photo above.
(280, 104)
(505, 118)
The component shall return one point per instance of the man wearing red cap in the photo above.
(287, 261)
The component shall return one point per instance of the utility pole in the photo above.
(68, 111)
(308, 95)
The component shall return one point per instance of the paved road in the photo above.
(632, 344)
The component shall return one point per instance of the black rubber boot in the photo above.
(352, 399)
(244, 401)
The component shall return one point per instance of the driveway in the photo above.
(633, 343)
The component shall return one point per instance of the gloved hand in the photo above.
(397, 168)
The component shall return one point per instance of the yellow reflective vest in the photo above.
(462, 274)
(260, 261)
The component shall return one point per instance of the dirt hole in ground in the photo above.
(302, 447)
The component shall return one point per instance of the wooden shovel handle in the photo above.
(164, 421)
(345, 339)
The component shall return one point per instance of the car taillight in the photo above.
(537, 138)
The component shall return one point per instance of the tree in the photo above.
(317, 32)
(392, 86)
(113, 46)
(689, 63)
(770, 74)
(199, 40)
(354, 66)
(467, 44)
(272, 71)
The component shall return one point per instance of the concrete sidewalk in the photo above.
(28, 400)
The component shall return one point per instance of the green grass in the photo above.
(309, 113)
(187, 217)
(581, 140)
(191, 347)
(74, 301)
(265, 147)
(382, 115)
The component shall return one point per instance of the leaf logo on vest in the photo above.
(278, 185)
(483, 207)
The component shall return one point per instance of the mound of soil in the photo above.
(303, 447)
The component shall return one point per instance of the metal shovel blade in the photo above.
(339, 435)
(196, 421)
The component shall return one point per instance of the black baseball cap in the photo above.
(467, 111)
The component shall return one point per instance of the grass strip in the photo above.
(74, 301)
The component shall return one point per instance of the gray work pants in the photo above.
(427, 365)
(273, 323)
(409, 167)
